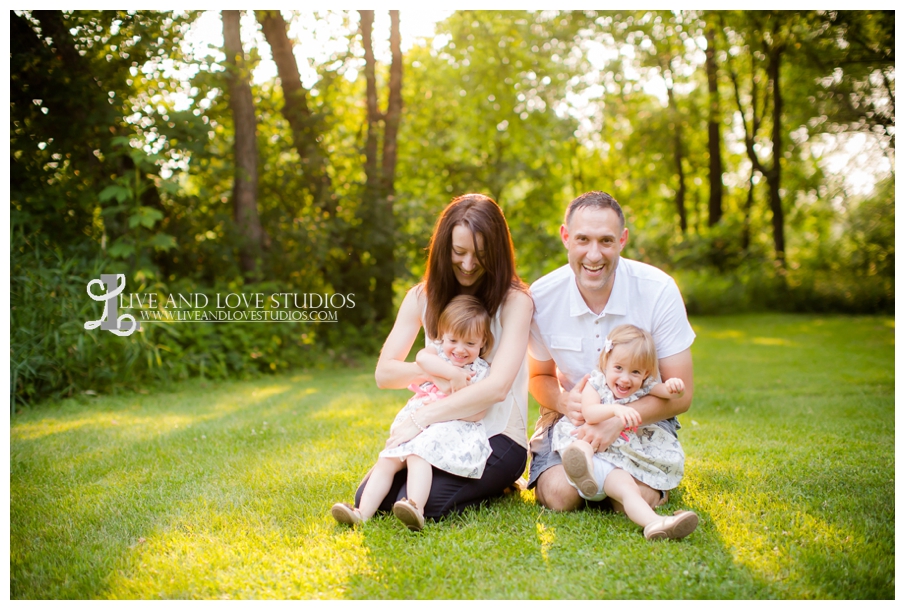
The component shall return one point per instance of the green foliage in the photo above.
(222, 490)
(110, 169)
(52, 354)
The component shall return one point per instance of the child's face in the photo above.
(622, 377)
(462, 350)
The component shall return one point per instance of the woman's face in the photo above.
(465, 261)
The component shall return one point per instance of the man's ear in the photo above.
(564, 235)
(624, 239)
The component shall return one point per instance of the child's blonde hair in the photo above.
(642, 351)
(465, 316)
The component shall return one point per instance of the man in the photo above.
(575, 308)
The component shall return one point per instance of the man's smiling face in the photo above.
(594, 239)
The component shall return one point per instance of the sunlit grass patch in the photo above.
(223, 490)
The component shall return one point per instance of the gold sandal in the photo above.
(409, 513)
(346, 514)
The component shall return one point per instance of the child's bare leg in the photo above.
(378, 485)
(621, 487)
(418, 483)
(653, 497)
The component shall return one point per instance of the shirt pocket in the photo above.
(565, 342)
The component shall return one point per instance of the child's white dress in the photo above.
(458, 447)
(652, 455)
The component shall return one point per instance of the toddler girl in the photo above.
(627, 371)
(460, 447)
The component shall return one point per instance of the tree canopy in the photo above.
(718, 131)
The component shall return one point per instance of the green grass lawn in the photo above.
(222, 490)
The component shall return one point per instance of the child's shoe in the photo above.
(579, 468)
(682, 523)
(346, 514)
(409, 513)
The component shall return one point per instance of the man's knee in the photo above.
(554, 492)
(651, 496)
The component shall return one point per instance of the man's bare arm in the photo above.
(544, 386)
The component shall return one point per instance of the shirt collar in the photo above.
(617, 303)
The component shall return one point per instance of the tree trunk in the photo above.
(774, 175)
(245, 190)
(296, 111)
(772, 51)
(372, 176)
(377, 205)
(394, 110)
(746, 223)
(715, 207)
(677, 156)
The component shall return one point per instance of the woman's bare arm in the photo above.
(393, 372)
(474, 399)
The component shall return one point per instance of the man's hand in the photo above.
(600, 436)
(571, 402)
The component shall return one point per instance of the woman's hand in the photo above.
(401, 432)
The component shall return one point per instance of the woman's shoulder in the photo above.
(416, 296)
(518, 298)
(416, 291)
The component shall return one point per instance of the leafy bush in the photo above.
(52, 354)
(749, 290)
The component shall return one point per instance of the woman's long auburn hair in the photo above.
(482, 216)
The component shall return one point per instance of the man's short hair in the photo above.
(597, 200)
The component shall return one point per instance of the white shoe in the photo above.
(682, 523)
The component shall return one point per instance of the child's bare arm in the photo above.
(629, 416)
(591, 409)
(432, 364)
(671, 388)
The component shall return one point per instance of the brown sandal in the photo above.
(346, 514)
(409, 513)
(580, 469)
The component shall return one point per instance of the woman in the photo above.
(470, 253)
